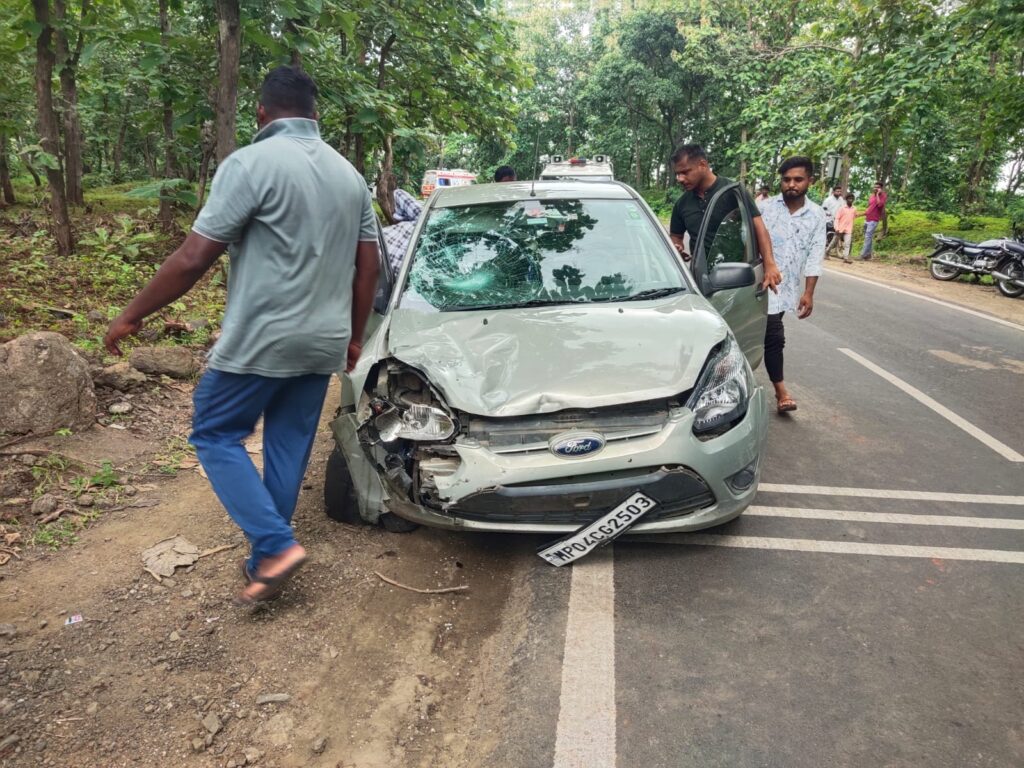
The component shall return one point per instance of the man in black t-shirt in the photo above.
(690, 163)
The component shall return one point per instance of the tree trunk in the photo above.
(743, 157)
(844, 173)
(166, 215)
(122, 132)
(229, 43)
(31, 169)
(209, 147)
(68, 62)
(5, 173)
(386, 182)
(46, 119)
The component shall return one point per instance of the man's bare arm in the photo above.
(176, 276)
(364, 288)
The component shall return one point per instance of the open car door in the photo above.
(724, 256)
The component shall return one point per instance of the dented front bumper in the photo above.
(479, 489)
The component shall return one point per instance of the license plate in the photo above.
(598, 533)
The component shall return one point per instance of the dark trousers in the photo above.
(227, 407)
(774, 341)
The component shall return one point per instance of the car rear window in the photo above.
(537, 252)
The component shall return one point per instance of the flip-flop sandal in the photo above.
(787, 404)
(272, 585)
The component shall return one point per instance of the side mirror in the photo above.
(727, 276)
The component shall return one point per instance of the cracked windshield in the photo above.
(533, 252)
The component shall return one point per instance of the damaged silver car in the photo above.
(544, 358)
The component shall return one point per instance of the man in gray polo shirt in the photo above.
(297, 221)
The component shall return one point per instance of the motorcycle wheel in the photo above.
(942, 271)
(1014, 269)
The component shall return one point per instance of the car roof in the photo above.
(509, 191)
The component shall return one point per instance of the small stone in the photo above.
(92, 709)
(44, 505)
(43, 623)
(174, 636)
(6, 706)
(212, 723)
(8, 630)
(86, 500)
(186, 592)
(149, 709)
(208, 741)
(95, 316)
(169, 582)
(119, 409)
(319, 745)
(242, 714)
(232, 763)
(28, 459)
(252, 755)
(129, 490)
(273, 698)
(197, 744)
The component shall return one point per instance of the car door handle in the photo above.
(761, 291)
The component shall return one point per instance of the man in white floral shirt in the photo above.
(796, 226)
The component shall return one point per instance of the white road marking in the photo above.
(847, 516)
(842, 547)
(585, 737)
(1001, 448)
(940, 302)
(886, 493)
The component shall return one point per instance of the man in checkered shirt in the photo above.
(398, 235)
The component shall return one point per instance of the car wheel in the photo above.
(339, 494)
(340, 498)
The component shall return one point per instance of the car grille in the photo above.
(581, 499)
(531, 434)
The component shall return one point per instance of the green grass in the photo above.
(118, 249)
(910, 232)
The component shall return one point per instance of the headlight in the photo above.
(723, 391)
(417, 422)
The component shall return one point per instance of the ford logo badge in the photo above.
(573, 445)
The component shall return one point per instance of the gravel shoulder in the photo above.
(360, 673)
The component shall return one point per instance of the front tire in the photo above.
(340, 502)
(942, 271)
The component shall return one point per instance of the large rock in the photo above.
(176, 362)
(44, 386)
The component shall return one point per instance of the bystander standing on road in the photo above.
(844, 227)
(298, 223)
(832, 203)
(797, 229)
(505, 173)
(873, 215)
(398, 236)
(692, 171)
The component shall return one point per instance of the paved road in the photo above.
(835, 624)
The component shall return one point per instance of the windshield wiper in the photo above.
(652, 293)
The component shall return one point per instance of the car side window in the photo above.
(726, 239)
(385, 280)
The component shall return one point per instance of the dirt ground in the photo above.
(360, 674)
(171, 673)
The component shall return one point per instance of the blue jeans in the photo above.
(869, 238)
(227, 407)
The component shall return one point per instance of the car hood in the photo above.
(514, 362)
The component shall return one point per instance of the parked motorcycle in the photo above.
(1009, 272)
(954, 257)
